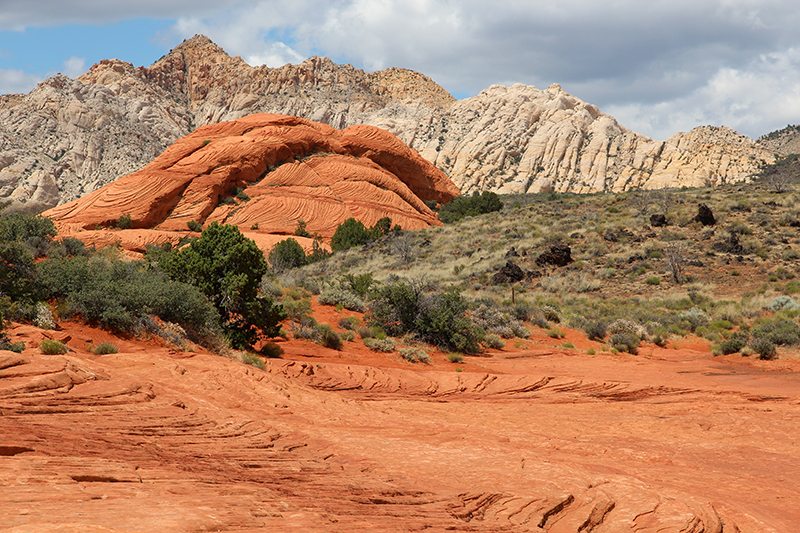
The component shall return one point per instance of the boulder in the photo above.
(557, 255)
(704, 215)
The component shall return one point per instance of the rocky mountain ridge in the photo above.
(69, 137)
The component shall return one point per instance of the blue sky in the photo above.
(659, 66)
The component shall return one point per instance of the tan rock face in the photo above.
(285, 168)
(82, 134)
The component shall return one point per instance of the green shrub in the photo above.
(124, 221)
(119, 294)
(358, 285)
(104, 348)
(301, 230)
(195, 226)
(347, 335)
(53, 347)
(414, 355)
(596, 329)
(251, 359)
(228, 268)
(287, 254)
(492, 340)
(379, 345)
(271, 350)
(455, 357)
(735, 344)
(625, 342)
(779, 332)
(349, 322)
(464, 206)
(653, 281)
(352, 233)
(328, 337)
(339, 296)
(764, 348)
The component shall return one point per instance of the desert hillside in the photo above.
(69, 137)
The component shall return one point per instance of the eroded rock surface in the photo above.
(534, 439)
(263, 173)
(69, 137)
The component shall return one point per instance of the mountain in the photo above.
(69, 137)
(262, 173)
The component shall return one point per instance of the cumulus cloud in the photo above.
(74, 66)
(14, 81)
(662, 66)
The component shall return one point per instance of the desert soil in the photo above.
(533, 437)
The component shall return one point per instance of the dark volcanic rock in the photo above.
(731, 245)
(511, 273)
(658, 221)
(705, 216)
(558, 255)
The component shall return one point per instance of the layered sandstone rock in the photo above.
(69, 137)
(263, 173)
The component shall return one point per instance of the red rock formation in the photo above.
(287, 169)
(539, 439)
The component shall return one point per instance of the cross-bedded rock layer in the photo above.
(263, 173)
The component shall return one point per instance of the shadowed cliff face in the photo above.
(69, 137)
(263, 173)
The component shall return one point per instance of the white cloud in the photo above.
(74, 66)
(17, 81)
(274, 55)
(659, 66)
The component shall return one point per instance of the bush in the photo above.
(271, 350)
(352, 233)
(497, 322)
(338, 296)
(596, 329)
(349, 322)
(764, 348)
(195, 226)
(104, 348)
(53, 347)
(492, 340)
(124, 221)
(287, 254)
(413, 355)
(119, 294)
(778, 332)
(455, 357)
(464, 206)
(555, 333)
(626, 342)
(379, 345)
(328, 338)
(783, 302)
(358, 285)
(694, 318)
(227, 268)
(734, 344)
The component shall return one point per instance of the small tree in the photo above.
(287, 254)
(228, 268)
(675, 257)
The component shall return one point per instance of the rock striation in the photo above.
(263, 173)
(69, 137)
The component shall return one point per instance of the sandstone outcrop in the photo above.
(262, 173)
(69, 137)
(529, 440)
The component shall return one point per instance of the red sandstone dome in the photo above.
(284, 168)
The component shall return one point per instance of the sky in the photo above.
(659, 67)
